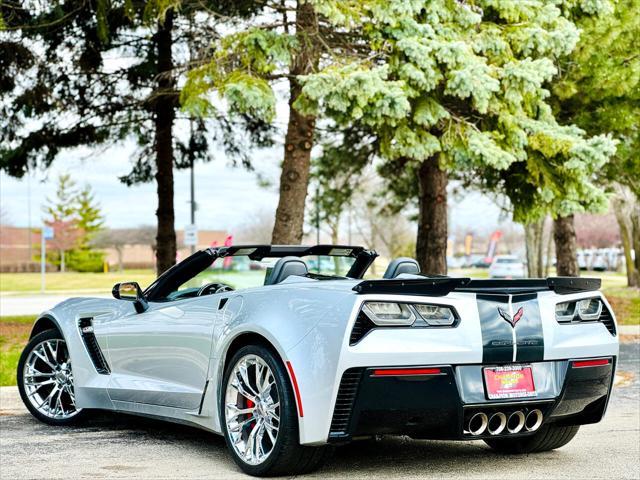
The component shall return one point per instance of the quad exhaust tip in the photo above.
(516, 421)
(497, 423)
(533, 420)
(478, 423)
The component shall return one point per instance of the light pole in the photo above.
(317, 215)
(192, 200)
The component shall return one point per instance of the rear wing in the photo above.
(441, 286)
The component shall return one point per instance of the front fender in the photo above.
(90, 387)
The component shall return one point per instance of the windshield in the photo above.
(246, 267)
(242, 272)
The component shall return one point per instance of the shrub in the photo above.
(85, 260)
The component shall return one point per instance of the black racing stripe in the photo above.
(497, 338)
(529, 335)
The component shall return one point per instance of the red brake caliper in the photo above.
(250, 404)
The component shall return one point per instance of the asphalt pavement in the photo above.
(122, 446)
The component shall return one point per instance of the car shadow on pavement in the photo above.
(150, 429)
(360, 458)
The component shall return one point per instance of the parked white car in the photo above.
(506, 266)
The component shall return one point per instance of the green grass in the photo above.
(14, 335)
(23, 283)
(72, 281)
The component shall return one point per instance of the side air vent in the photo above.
(344, 402)
(86, 332)
(607, 319)
(362, 326)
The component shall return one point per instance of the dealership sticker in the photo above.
(511, 381)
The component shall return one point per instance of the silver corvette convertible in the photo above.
(316, 356)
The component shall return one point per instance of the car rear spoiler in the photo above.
(440, 286)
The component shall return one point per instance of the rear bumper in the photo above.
(440, 405)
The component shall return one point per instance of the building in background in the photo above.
(17, 249)
(20, 250)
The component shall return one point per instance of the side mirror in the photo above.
(132, 292)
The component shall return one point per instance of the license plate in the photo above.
(511, 381)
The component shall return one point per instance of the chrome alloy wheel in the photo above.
(252, 409)
(48, 380)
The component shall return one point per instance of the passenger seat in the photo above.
(285, 267)
(402, 265)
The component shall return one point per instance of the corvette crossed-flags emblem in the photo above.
(512, 320)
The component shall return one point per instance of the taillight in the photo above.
(585, 310)
(596, 362)
(405, 372)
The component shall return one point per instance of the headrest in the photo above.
(285, 267)
(401, 265)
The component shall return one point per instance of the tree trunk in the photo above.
(164, 106)
(533, 236)
(120, 259)
(626, 228)
(294, 178)
(564, 235)
(62, 263)
(431, 243)
(547, 260)
(635, 236)
(335, 241)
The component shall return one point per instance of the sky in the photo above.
(227, 197)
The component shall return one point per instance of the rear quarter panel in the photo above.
(285, 315)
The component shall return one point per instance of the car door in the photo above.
(161, 356)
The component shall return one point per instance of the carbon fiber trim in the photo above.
(93, 349)
(344, 402)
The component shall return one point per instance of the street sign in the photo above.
(191, 235)
(47, 233)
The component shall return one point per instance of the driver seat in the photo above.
(285, 267)
(401, 265)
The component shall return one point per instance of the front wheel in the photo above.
(259, 417)
(45, 379)
(549, 437)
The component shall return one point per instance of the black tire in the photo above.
(288, 457)
(549, 437)
(36, 340)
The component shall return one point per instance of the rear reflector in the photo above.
(405, 372)
(591, 363)
(295, 389)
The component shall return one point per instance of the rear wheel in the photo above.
(549, 437)
(259, 417)
(45, 379)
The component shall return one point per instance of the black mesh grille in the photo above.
(607, 319)
(86, 331)
(362, 326)
(344, 402)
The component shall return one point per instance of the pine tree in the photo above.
(61, 215)
(89, 215)
(460, 88)
(62, 207)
